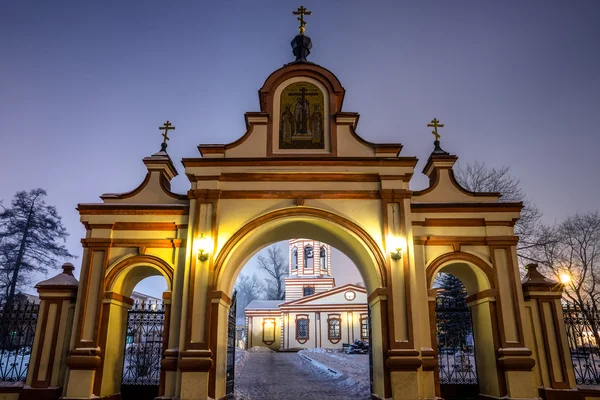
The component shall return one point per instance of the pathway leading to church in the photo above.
(287, 376)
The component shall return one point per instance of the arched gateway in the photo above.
(301, 168)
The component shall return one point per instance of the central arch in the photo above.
(288, 223)
(318, 224)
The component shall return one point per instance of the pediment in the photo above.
(301, 115)
(156, 186)
(334, 296)
(443, 186)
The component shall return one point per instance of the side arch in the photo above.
(476, 274)
(123, 275)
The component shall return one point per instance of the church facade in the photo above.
(301, 170)
(314, 313)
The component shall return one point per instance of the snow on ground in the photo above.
(260, 349)
(264, 375)
(349, 371)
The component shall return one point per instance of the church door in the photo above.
(231, 348)
(456, 351)
(143, 351)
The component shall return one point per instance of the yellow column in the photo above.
(548, 338)
(52, 334)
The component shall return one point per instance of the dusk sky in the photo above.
(86, 84)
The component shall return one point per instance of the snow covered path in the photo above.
(287, 376)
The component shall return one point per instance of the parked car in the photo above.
(358, 347)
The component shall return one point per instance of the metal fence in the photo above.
(583, 334)
(143, 346)
(17, 330)
(456, 352)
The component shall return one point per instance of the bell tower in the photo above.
(309, 268)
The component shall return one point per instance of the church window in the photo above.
(269, 331)
(295, 258)
(302, 329)
(364, 327)
(308, 290)
(323, 256)
(334, 323)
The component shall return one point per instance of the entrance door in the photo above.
(231, 348)
(456, 352)
(143, 351)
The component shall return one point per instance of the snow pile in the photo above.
(260, 349)
(348, 371)
(322, 350)
(241, 356)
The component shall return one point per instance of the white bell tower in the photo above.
(309, 268)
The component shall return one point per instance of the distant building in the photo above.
(315, 313)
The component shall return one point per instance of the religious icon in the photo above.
(301, 121)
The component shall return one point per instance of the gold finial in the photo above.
(435, 124)
(302, 11)
(167, 126)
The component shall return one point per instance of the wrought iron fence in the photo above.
(456, 352)
(583, 334)
(143, 345)
(17, 330)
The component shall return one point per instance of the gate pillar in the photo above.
(112, 342)
(554, 373)
(53, 332)
(220, 304)
(194, 366)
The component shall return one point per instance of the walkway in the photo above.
(286, 376)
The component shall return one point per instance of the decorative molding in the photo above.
(465, 207)
(133, 209)
(136, 243)
(302, 161)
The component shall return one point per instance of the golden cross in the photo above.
(167, 126)
(302, 11)
(435, 124)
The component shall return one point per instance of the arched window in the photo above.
(308, 255)
(323, 256)
(295, 258)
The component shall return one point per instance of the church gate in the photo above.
(301, 167)
(455, 348)
(231, 345)
(143, 351)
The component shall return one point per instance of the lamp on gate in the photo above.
(396, 245)
(202, 245)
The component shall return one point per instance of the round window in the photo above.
(349, 295)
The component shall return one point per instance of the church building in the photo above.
(314, 313)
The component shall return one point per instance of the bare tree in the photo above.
(478, 177)
(275, 265)
(572, 248)
(248, 288)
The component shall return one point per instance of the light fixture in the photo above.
(565, 278)
(396, 244)
(202, 244)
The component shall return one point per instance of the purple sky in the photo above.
(85, 86)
